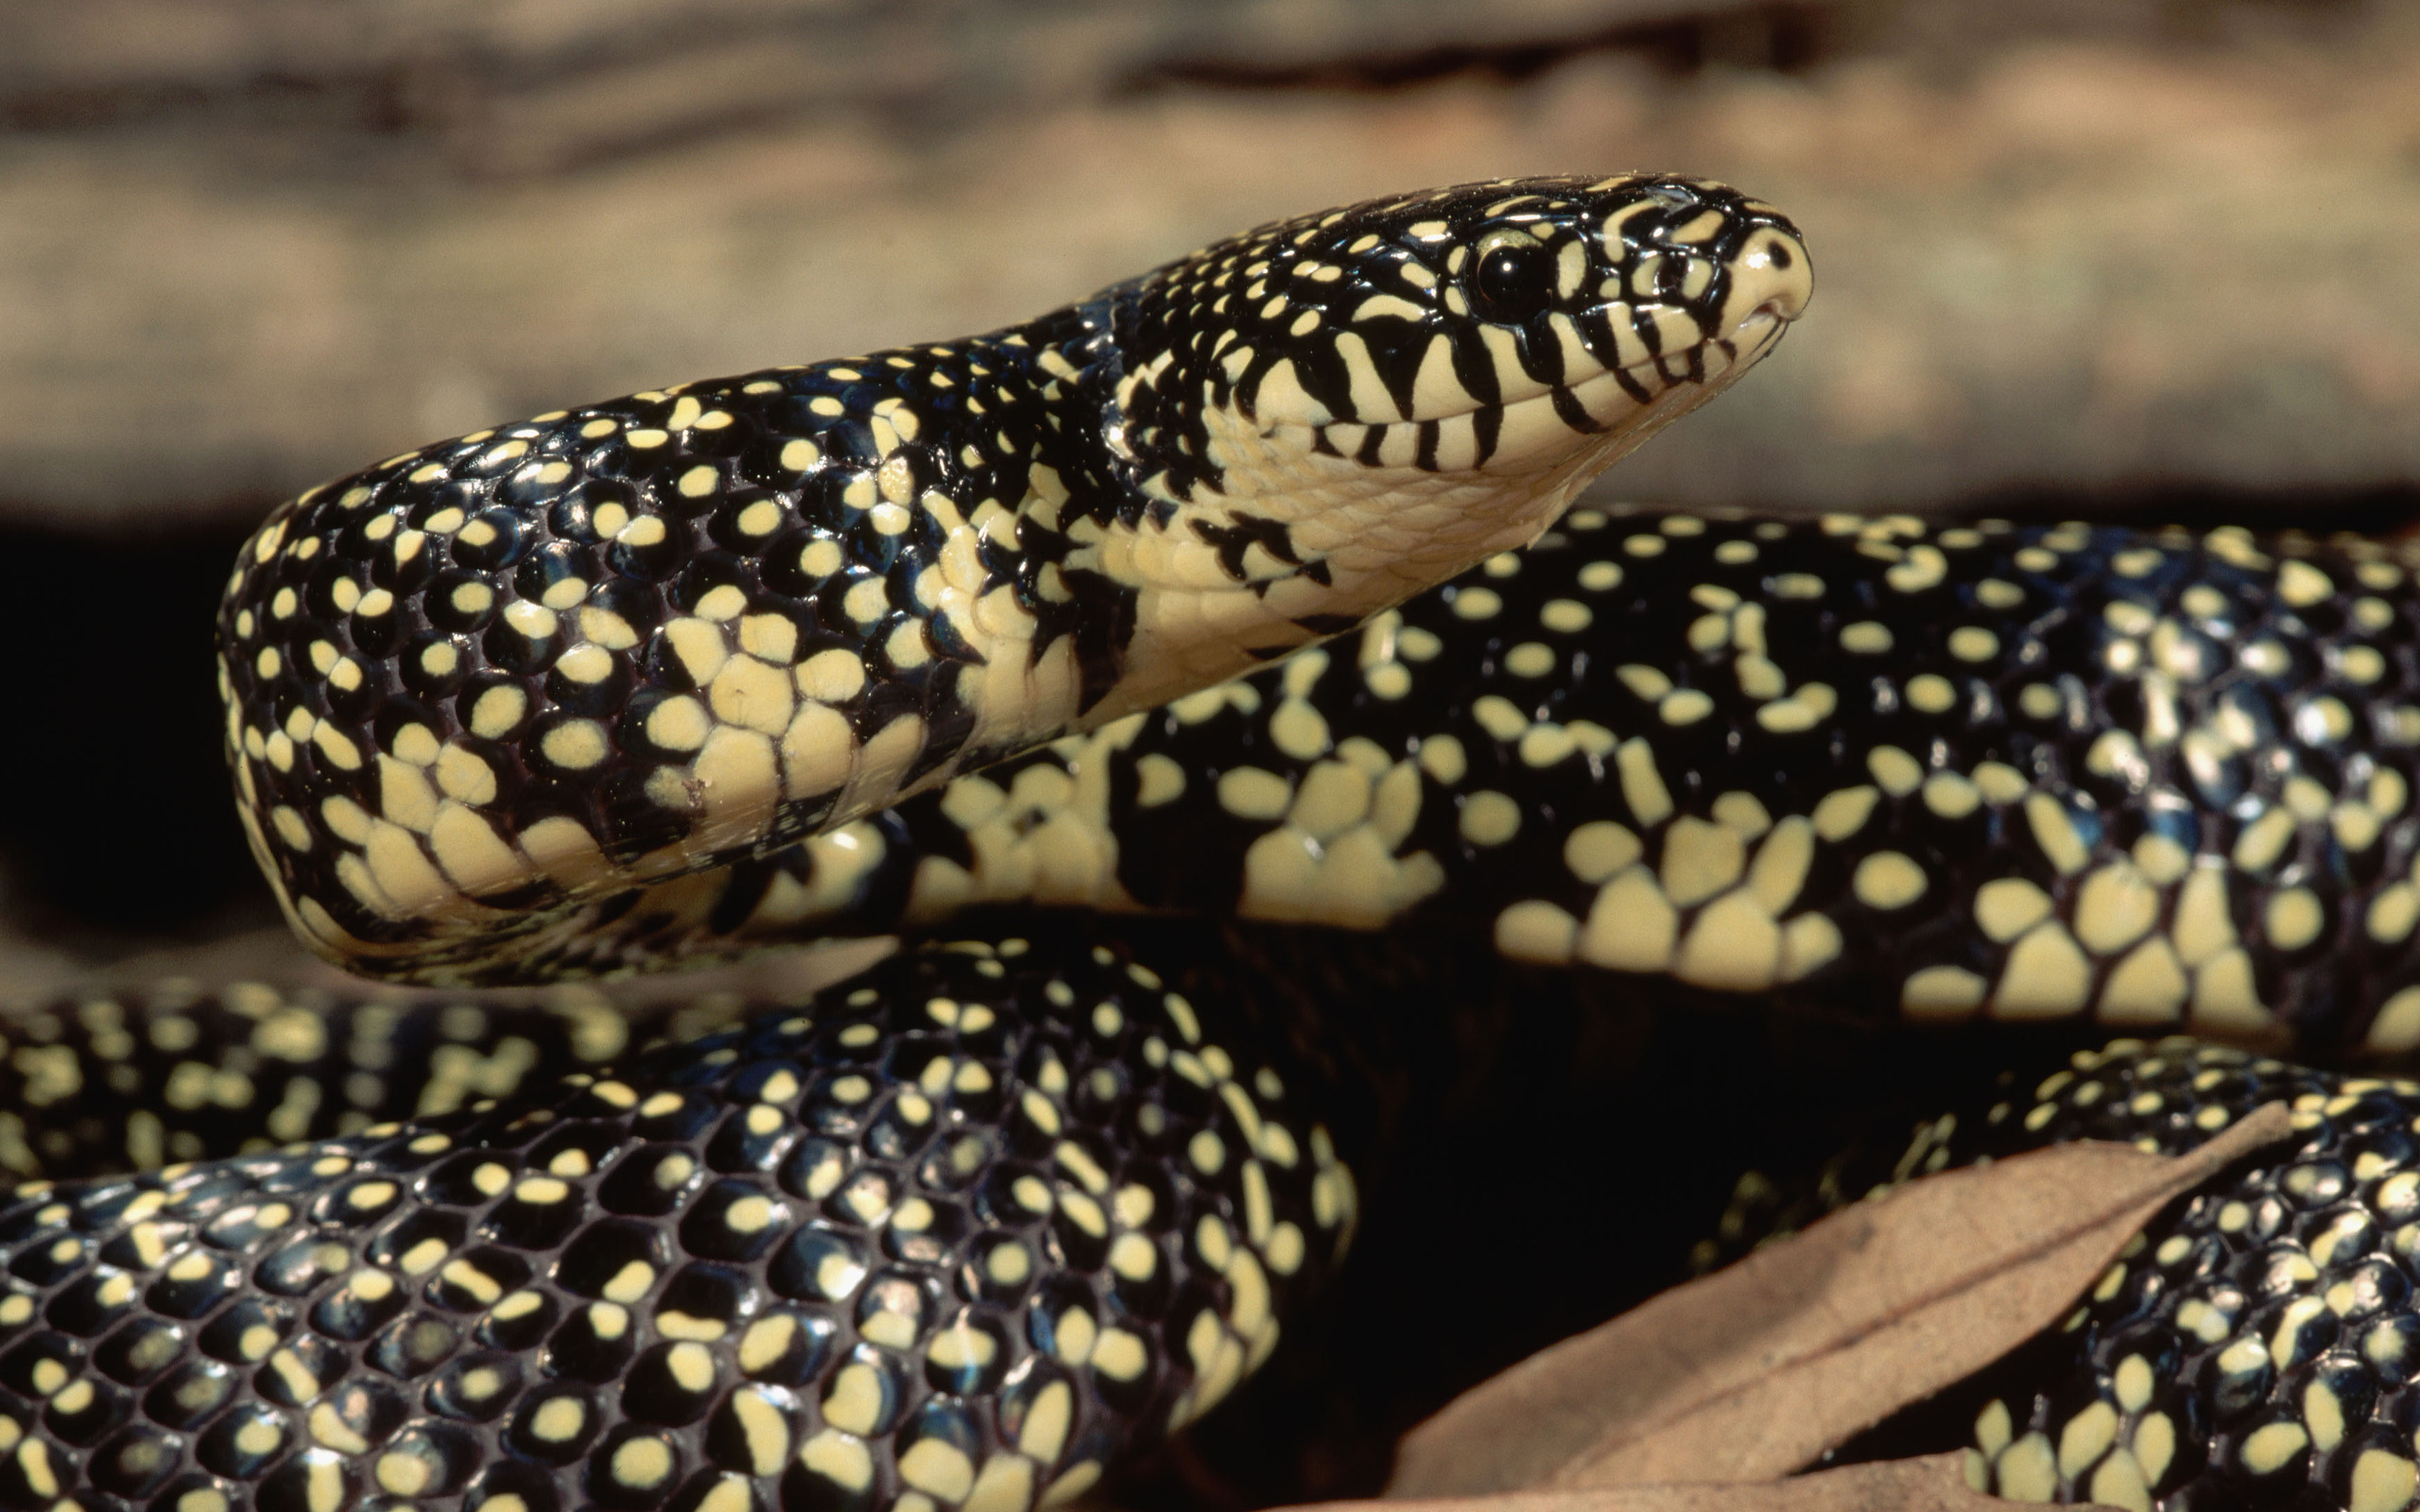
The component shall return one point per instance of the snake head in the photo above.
(1337, 411)
(1496, 329)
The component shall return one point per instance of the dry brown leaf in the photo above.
(1936, 1483)
(1752, 1372)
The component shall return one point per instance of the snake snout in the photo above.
(1771, 279)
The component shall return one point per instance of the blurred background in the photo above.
(2116, 257)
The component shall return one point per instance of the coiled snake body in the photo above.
(853, 648)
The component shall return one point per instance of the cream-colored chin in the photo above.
(1383, 532)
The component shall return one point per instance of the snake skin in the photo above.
(1875, 769)
(2256, 1346)
(964, 1229)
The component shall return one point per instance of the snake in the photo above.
(1250, 589)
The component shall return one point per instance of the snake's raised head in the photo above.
(1447, 369)
(1329, 415)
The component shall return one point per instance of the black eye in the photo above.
(1513, 281)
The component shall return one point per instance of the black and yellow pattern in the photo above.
(1877, 767)
(500, 708)
(1244, 589)
(957, 1232)
(2254, 1347)
(130, 1079)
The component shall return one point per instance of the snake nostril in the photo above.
(1773, 271)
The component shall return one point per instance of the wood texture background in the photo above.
(247, 244)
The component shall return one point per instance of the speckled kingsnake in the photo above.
(853, 647)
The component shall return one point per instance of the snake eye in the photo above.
(1513, 281)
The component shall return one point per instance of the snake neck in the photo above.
(1164, 540)
(1053, 622)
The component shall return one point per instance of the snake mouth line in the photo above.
(1647, 378)
(1604, 403)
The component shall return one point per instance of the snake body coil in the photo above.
(856, 647)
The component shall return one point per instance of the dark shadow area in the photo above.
(119, 820)
(2374, 509)
(1549, 1147)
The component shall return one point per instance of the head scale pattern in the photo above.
(1485, 327)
